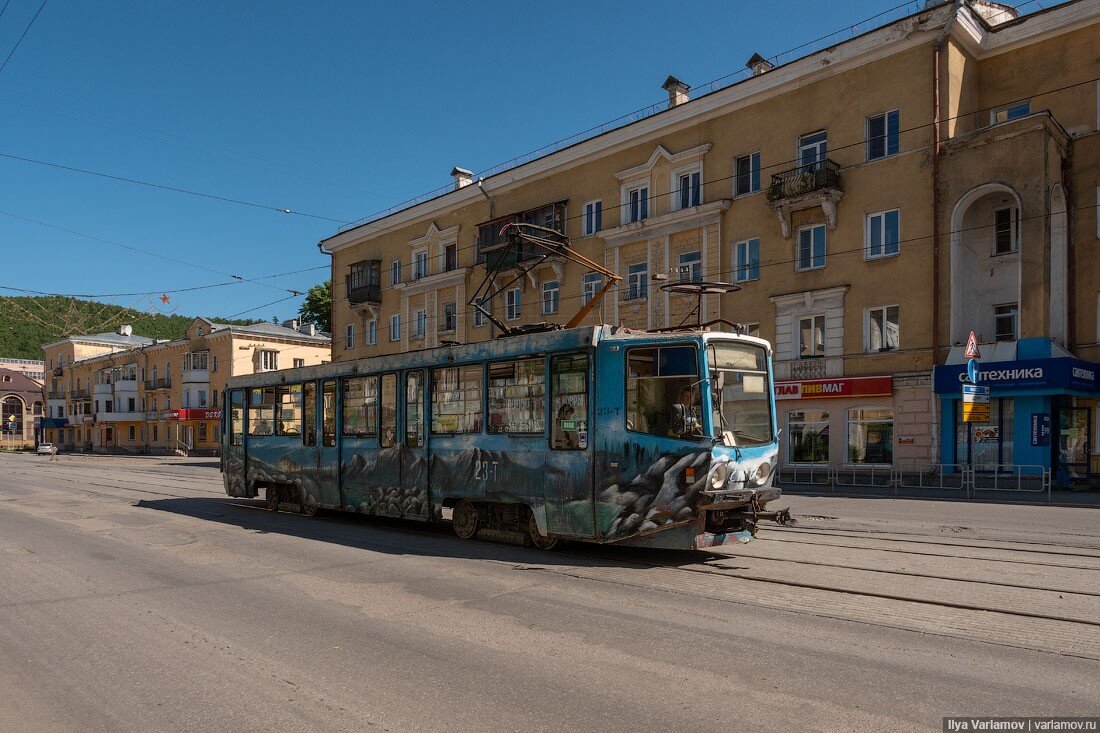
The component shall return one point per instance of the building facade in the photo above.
(126, 393)
(30, 368)
(875, 202)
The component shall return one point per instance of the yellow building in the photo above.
(121, 392)
(875, 200)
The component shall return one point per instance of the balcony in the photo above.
(126, 385)
(806, 187)
(196, 376)
(496, 250)
(101, 417)
(58, 371)
(79, 394)
(818, 368)
(103, 389)
(364, 282)
(55, 395)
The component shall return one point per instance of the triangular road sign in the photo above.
(972, 347)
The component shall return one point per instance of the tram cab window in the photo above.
(663, 392)
(569, 382)
(288, 410)
(742, 408)
(414, 409)
(517, 396)
(361, 407)
(387, 428)
(236, 417)
(456, 400)
(309, 414)
(261, 411)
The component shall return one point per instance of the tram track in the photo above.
(1014, 548)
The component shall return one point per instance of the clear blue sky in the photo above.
(339, 109)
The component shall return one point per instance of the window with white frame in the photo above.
(450, 257)
(812, 150)
(479, 316)
(811, 337)
(372, 332)
(1006, 230)
(637, 202)
(882, 135)
(512, 305)
(746, 260)
(395, 272)
(420, 324)
(395, 327)
(420, 264)
(550, 297)
(1005, 321)
(590, 286)
(688, 186)
(882, 236)
(593, 217)
(268, 361)
(450, 317)
(746, 174)
(637, 281)
(689, 267)
(883, 329)
(811, 248)
(1010, 112)
(750, 329)
(298, 364)
(349, 336)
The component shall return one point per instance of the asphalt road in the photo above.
(135, 596)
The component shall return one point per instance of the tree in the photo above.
(317, 307)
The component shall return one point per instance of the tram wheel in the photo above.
(464, 520)
(538, 539)
(308, 508)
(273, 498)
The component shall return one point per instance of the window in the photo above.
(420, 325)
(202, 432)
(132, 432)
(808, 436)
(750, 329)
(372, 332)
(882, 135)
(512, 305)
(883, 235)
(328, 413)
(569, 402)
(811, 248)
(883, 329)
(1004, 321)
(299, 363)
(420, 264)
(450, 317)
(660, 396)
(309, 413)
(236, 418)
(395, 272)
(479, 316)
(591, 286)
(450, 257)
(1010, 112)
(456, 400)
(638, 202)
(746, 174)
(517, 392)
(213, 363)
(361, 407)
(288, 410)
(871, 436)
(395, 328)
(387, 420)
(131, 403)
(811, 337)
(812, 149)
(1006, 230)
(746, 259)
(196, 360)
(269, 362)
(637, 281)
(550, 294)
(261, 411)
(690, 267)
(349, 336)
(688, 185)
(593, 217)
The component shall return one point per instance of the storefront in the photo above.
(847, 421)
(196, 429)
(1043, 409)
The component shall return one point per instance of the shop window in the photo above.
(986, 445)
(808, 436)
(569, 383)
(517, 392)
(662, 392)
(871, 436)
(456, 400)
(361, 407)
(261, 411)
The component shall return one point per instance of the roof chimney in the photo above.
(462, 177)
(677, 91)
(292, 324)
(759, 65)
(126, 330)
(309, 329)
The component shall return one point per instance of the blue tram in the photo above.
(593, 434)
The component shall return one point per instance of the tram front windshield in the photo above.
(742, 410)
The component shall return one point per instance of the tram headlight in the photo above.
(719, 475)
(760, 475)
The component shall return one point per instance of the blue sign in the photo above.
(972, 370)
(1040, 429)
(1049, 374)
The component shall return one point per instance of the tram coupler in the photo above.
(782, 517)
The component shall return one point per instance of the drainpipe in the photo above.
(1071, 282)
(481, 187)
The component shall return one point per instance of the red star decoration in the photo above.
(164, 298)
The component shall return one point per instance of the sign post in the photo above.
(975, 403)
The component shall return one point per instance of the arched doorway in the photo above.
(12, 412)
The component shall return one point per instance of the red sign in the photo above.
(817, 389)
(195, 414)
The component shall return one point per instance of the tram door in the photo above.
(413, 498)
(328, 475)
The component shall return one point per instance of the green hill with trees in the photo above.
(28, 322)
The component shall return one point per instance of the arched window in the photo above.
(11, 407)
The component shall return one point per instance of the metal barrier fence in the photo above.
(965, 479)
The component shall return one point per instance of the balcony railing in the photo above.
(804, 179)
(164, 383)
(79, 394)
(55, 395)
(808, 369)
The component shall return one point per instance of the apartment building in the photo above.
(123, 392)
(875, 201)
(30, 368)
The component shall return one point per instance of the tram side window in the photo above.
(517, 396)
(309, 414)
(387, 433)
(569, 429)
(288, 410)
(261, 411)
(328, 412)
(663, 393)
(361, 407)
(456, 400)
(236, 416)
(414, 409)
